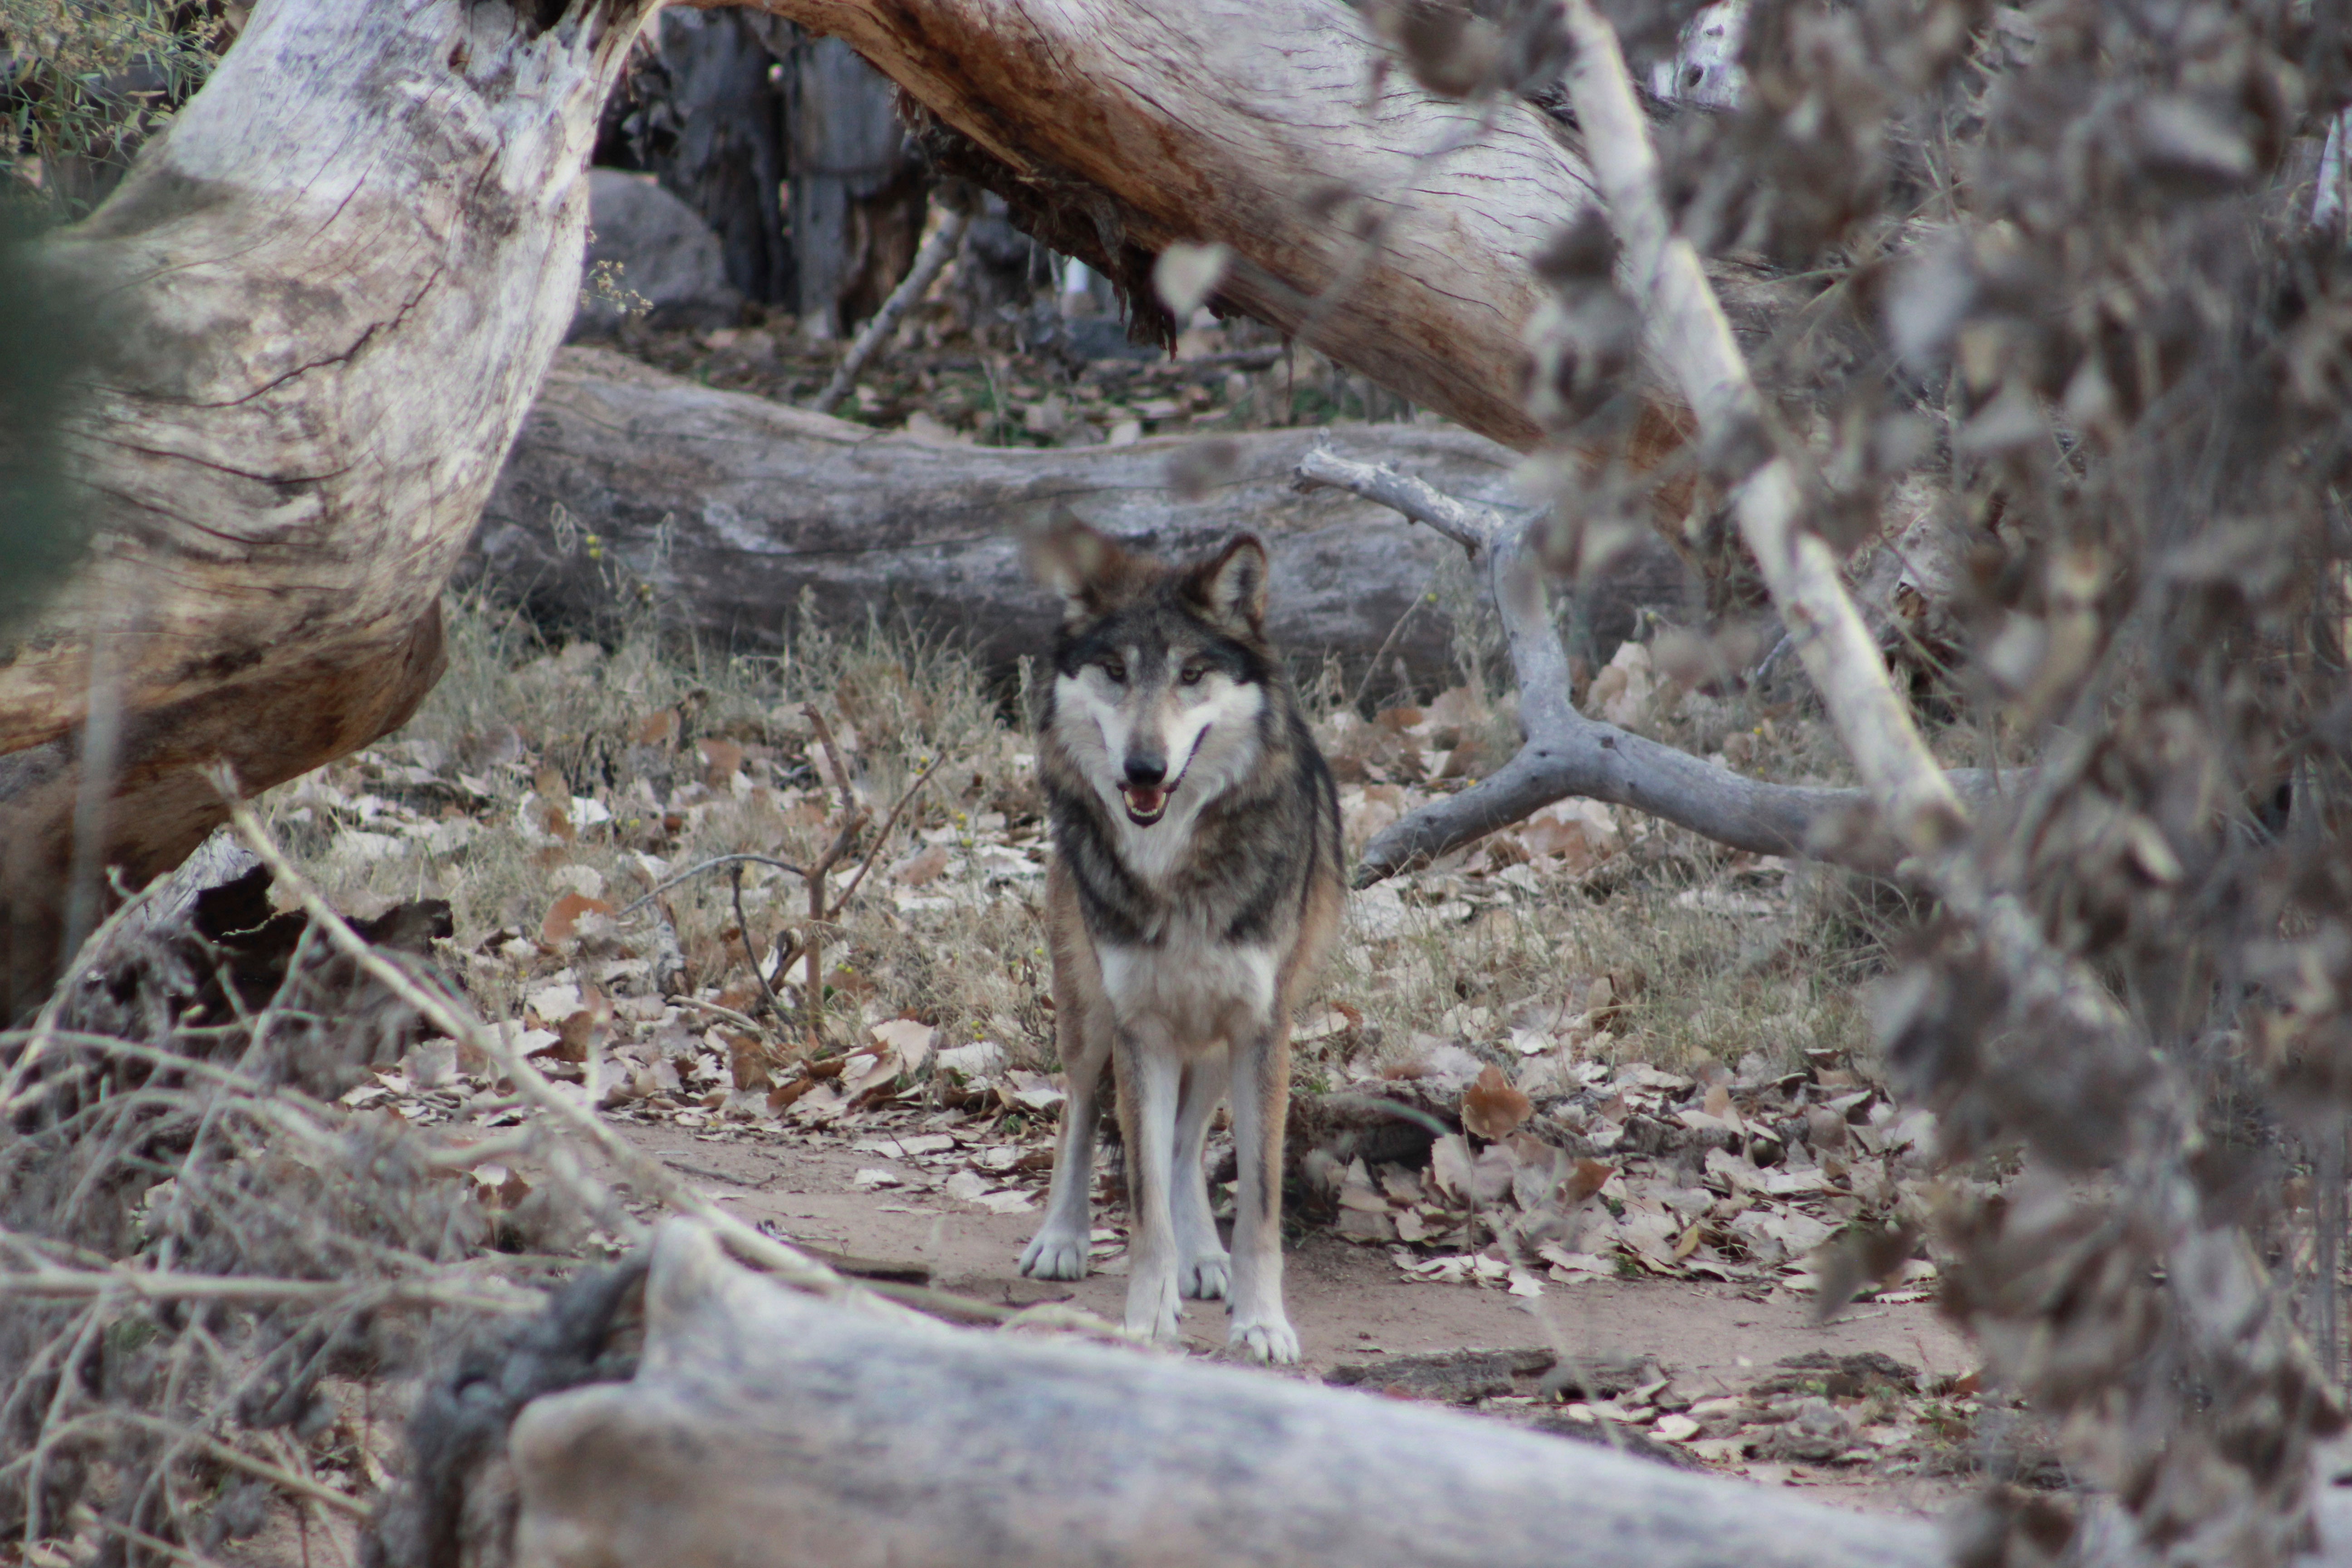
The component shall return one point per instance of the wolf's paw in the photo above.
(1271, 1339)
(1153, 1314)
(1056, 1254)
(1205, 1277)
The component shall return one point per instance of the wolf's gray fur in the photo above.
(1195, 890)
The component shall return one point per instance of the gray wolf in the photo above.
(1195, 890)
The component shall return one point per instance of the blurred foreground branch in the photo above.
(2214, 1492)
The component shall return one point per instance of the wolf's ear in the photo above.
(1232, 586)
(1075, 560)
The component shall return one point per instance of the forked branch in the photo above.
(1565, 752)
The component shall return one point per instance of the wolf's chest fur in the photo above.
(1221, 871)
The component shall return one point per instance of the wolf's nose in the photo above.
(1143, 770)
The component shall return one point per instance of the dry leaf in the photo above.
(748, 1061)
(923, 866)
(563, 920)
(1491, 1107)
(1329, 1024)
(1450, 1167)
(720, 758)
(909, 1039)
(1588, 1178)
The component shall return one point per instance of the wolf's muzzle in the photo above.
(1146, 790)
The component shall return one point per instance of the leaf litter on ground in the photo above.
(1548, 1153)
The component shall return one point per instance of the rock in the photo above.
(665, 253)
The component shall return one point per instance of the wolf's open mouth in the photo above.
(1145, 803)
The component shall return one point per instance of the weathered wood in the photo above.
(1259, 123)
(728, 508)
(764, 1426)
(858, 189)
(716, 138)
(329, 294)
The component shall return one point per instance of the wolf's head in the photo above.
(1161, 673)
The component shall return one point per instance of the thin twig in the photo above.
(710, 865)
(930, 262)
(743, 934)
(853, 816)
(45, 1025)
(157, 1544)
(68, 1380)
(728, 1015)
(787, 1263)
(883, 837)
(82, 1284)
(832, 756)
(227, 1454)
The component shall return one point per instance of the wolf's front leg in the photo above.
(1058, 1250)
(1261, 1090)
(1203, 1269)
(1149, 1071)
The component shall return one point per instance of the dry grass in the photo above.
(1707, 955)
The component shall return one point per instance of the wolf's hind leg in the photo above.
(1261, 1074)
(1202, 1266)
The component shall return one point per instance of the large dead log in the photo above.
(1265, 125)
(327, 294)
(728, 508)
(764, 1426)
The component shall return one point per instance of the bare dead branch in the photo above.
(76, 1285)
(929, 261)
(726, 1014)
(786, 1262)
(238, 1458)
(743, 934)
(883, 837)
(157, 1544)
(824, 732)
(1566, 753)
(45, 1022)
(1473, 527)
(712, 864)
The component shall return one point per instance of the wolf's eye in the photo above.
(1192, 673)
(1115, 669)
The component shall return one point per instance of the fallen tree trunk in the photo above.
(325, 300)
(764, 1426)
(1275, 127)
(629, 487)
